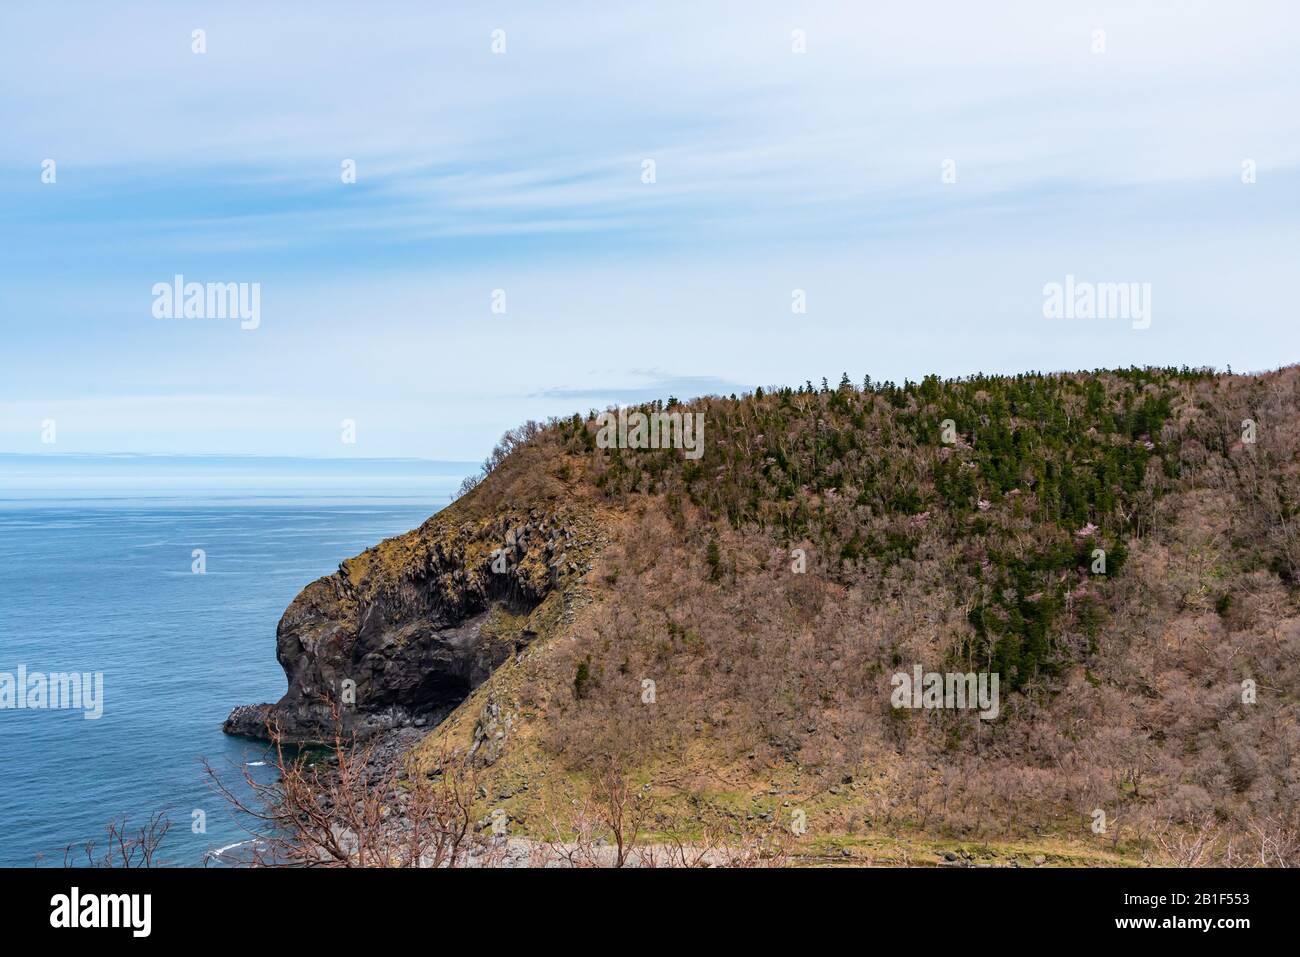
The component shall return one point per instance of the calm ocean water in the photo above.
(108, 586)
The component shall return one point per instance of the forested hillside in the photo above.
(959, 525)
(1121, 548)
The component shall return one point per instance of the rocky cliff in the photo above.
(403, 632)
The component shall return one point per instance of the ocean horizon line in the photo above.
(239, 457)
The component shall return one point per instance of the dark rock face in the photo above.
(402, 633)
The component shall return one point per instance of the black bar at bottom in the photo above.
(914, 905)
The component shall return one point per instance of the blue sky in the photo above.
(522, 171)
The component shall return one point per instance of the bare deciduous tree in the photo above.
(337, 813)
(124, 847)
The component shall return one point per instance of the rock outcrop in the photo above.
(402, 633)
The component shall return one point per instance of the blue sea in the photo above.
(106, 582)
